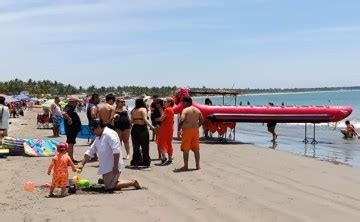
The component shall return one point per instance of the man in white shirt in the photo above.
(107, 146)
(4, 118)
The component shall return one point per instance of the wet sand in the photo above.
(237, 182)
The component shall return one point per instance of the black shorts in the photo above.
(71, 138)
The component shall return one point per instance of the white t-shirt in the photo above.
(105, 147)
(4, 121)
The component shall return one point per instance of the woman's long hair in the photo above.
(139, 103)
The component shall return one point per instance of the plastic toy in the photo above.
(29, 186)
(83, 183)
(75, 179)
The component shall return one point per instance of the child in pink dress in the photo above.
(60, 163)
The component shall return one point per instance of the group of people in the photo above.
(112, 126)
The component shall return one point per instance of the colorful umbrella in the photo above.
(9, 99)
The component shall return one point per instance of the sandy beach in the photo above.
(237, 182)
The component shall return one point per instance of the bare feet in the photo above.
(182, 169)
(100, 181)
(137, 185)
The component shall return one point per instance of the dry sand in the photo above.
(237, 182)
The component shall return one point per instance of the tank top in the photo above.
(57, 111)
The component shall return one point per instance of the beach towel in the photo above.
(40, 148)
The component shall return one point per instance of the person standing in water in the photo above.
(271, 126)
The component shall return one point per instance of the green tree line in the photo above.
(38, 88)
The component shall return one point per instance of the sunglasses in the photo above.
(119, 101)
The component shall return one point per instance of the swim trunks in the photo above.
(190, 139)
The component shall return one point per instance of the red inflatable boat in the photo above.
(284, 114)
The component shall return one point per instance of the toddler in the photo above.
(60, 163)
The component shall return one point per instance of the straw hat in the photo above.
(73, 99)
(145, 97)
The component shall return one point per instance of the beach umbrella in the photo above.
(9, 99)
(62, 104)
(34, 99)
(48, 103)
(21, 97)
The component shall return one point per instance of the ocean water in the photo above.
(331, 145)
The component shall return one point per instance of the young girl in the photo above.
(60, 163)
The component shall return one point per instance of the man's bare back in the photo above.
(191, 117)
(106, 112)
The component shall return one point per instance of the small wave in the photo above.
(340, 124)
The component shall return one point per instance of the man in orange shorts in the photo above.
(191, 120)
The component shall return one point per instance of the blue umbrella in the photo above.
(21, 97)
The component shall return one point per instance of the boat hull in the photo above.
(284, 114)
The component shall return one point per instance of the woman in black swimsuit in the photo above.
(122, 124)
(140, 134)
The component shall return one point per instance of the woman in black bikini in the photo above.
(156, 113)
(122, 124)
(140, 134)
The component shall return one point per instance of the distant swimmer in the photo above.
(349, 131)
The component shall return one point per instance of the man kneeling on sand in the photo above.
(108, 149)
(191, 120)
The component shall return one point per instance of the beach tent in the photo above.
(22, 97)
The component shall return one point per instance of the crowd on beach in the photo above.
(113, 126)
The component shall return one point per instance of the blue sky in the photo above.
(240, 43)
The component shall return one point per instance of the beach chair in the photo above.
(43, 121)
